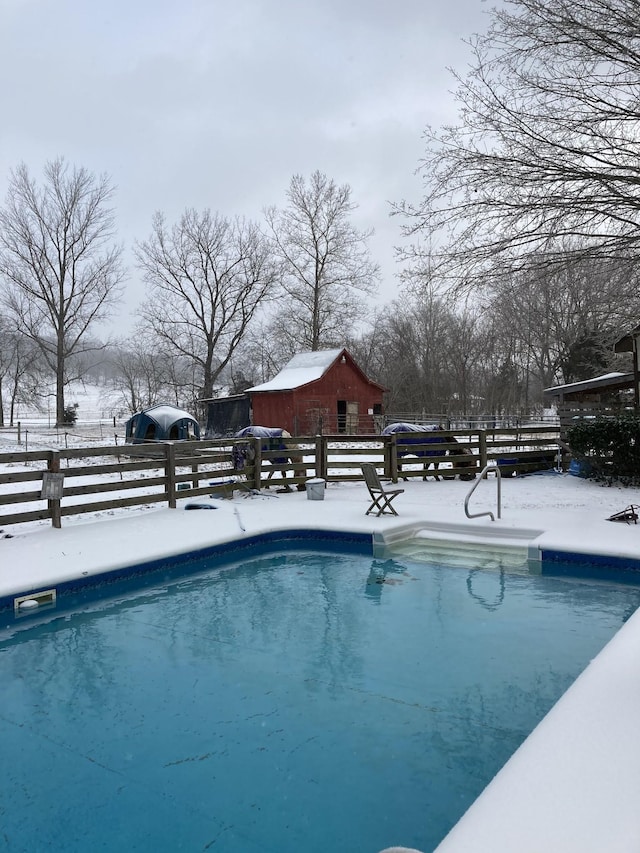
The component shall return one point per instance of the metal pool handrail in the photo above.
(486, 470)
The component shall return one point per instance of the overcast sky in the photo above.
(200, 103)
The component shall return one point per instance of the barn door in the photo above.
(352, 418)
(347, 416)
(341, 408)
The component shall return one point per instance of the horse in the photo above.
(272, 441)
(447, 438)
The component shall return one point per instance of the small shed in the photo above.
(227, 415)
(163, 422)
(603, 395)
(319, 392)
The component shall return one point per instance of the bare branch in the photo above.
(546, 149)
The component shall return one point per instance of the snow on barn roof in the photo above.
(303, 368)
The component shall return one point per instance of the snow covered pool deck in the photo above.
(574, 785)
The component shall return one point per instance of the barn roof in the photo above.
(303, 368)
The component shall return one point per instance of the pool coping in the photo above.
(181, 561)
(552, 559)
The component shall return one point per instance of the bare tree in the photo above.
(138, 378)
(21, 371)
(547, 145)
(326, 268)
(566, 318)
(61, 273)
(144, 376)
(423, 351)
(470, 344)
(258, 359)
(364, 345)
(207, 277)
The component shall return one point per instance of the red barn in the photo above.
(318, 392)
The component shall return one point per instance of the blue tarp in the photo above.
(392, 429)
(161, 423)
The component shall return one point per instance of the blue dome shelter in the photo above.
(163, 422)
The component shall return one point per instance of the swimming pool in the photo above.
(284, 701)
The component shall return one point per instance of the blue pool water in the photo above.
(292, 701)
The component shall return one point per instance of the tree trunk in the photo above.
(60, 383)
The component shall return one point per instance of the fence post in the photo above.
(19, 430)
(393, 457)
(319, 457)
(324, 457)
(54, 503)
(482, 449)
(257, 464)
(170, 473)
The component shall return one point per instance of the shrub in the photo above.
(611, 446)
(70, 414)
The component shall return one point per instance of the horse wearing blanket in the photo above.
(272, 441)
(405, 448)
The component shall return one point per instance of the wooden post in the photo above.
(257, 464)
(19, 429)
(318, 456)
(170, 473)
(53, 503)
(386, 456)
(482, 450)
(322, 457)
(393, 457)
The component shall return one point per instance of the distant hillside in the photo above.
(95, 403)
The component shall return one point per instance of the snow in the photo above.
(586, 382)
(165, 414)
(574, 785)
(303, 368)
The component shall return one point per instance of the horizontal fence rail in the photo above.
(55, 483)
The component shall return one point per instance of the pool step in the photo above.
(463, 546)
(462, 554)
